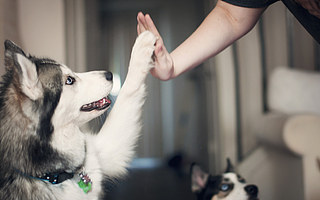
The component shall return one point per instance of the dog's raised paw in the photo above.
(142, 52)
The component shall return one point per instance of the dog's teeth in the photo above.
(102, 101)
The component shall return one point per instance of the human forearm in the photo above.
(224, 25)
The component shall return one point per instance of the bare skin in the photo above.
(313, 6)
(224, 25)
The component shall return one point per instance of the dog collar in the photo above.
(55, 178)
(85, 182)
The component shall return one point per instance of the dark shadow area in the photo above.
(157, 182)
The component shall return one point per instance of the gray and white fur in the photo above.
(42, 105)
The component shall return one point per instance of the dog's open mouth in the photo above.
(97, 105)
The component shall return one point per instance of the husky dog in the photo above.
(228, 186)
(43, 152)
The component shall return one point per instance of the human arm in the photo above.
(225, 24)
(313, 6)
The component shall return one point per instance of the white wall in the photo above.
(8, 26)
(42, 28)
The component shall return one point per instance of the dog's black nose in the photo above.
(108, 76)
(252, 190)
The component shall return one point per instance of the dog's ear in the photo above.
(230, 167)
(29, 81)
(25, 68)
(12, 48)
(199, 178)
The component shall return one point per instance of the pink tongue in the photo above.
(100, 103)
(104, 101)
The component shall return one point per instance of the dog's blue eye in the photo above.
(224, 187)
(70, 80)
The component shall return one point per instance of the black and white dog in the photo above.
(228, 186)
(43, 153)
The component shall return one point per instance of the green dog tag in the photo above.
(86, 187)
(85, 182)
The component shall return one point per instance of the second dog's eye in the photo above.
(224, 187)
(70, 80)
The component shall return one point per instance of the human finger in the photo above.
(138, 29)
(315, 7)
(312, 6)
(141, 22)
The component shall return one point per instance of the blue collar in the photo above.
(54, 178)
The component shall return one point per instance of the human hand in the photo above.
(163, 61)
(313, 6)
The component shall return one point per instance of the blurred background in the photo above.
(219, 110)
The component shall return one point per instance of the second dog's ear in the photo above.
(230, 167)
(199, 178)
